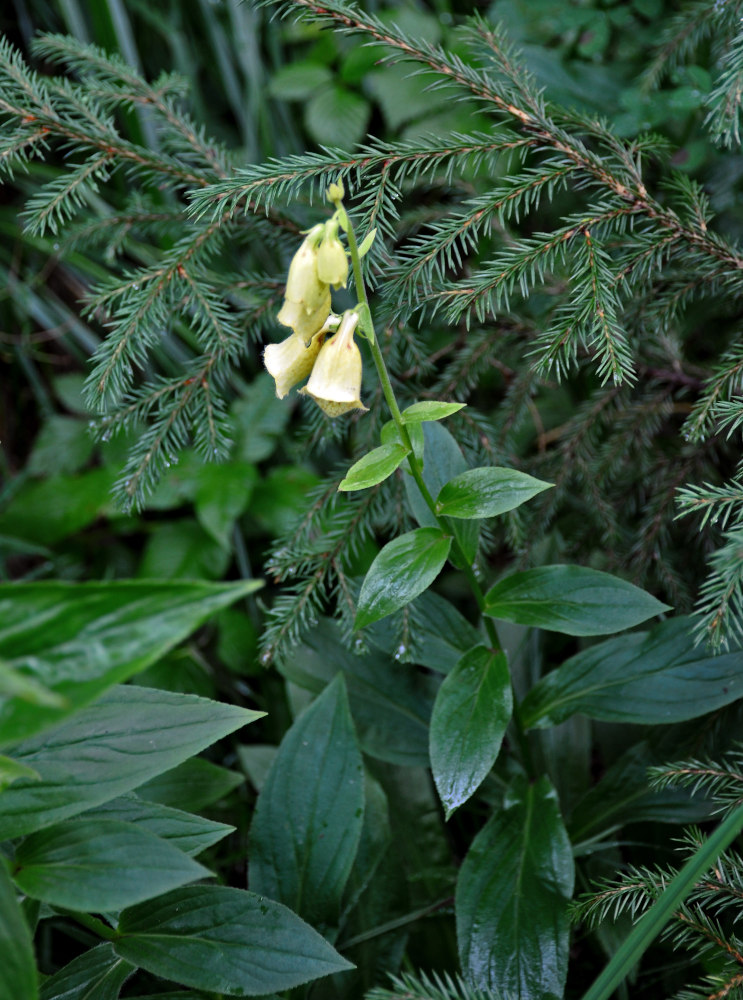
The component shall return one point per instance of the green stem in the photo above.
(653, 922)
(417, 473)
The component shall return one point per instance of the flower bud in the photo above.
(332, 262)
(336, 191)
(303, 283)
(291, 361)
(335, 382)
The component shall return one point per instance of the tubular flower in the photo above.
(332, 262)
(291, 361)
(335, 382)
(305, 324)
(303, 284)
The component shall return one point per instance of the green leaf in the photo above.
(512, 897)
(366, 244)
(222, 495)
(335, 116)
(651, 677)
(226, 941)
(192, 785)
(14, 684)
(487, 492)
(390, 707)
(63, 445)
(97, 973)
(429, 410)
(470, 716)
(182, 550)
(443, 460)
(570, 599)
(307, 823)
(94, 865)
(374, 467)
(79, 639)
(259, 419)
(298, 81)
(18, 978)
(49, 510)
(189, 833)
(98, 753)
(11, 770)
(403, 569)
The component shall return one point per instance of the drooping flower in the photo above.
(291, 361)
(305, 324)
(303, 284)
(332, 262)
(335, 382)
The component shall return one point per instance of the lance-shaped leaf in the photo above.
(308, 819)
(403, 569)
(96, 973)
(226, 941)
(18, 977)
(487, 492)
(374, 467)
(512, 898)
(470, 715)
(429, 410)
(652, 677)
(571, 599)
(128, 736)
(77, 640)
(94, 865)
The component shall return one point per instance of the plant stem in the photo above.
(417, 473)
(652, 923)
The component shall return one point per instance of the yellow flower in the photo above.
(332, 262)
(303, 285)
(291, 361)
(305, 323)
(335, 382)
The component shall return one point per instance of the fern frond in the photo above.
(436, 986)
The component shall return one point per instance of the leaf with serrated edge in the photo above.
(225, 941)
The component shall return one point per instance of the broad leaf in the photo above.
(189, 833)
(374, 467)
(80, 639)
(442, 461)
(429, 410)
(192, 785)
(512, 898)
(94, 865)
(97, 974)
(403, 569)
(11, 770)
(98, 754)
(308, 819)
(470, 716)
(570, 599)
(226, 941)
(18, 977)
(390, 707)
(651, 677)
(487, 492)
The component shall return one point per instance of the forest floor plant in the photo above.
(486, 682)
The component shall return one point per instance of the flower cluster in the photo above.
(333, 364)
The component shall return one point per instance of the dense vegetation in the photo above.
(482, 607)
